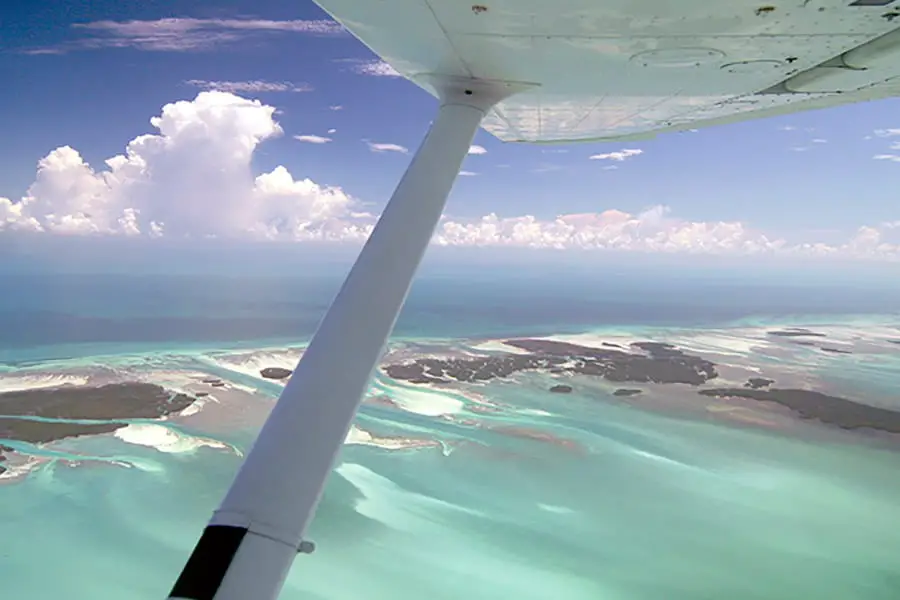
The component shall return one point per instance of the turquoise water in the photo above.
(576, 497)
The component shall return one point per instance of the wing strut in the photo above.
(247, 548)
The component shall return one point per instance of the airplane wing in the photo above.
(627, 69)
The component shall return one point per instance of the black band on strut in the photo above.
(205, 569)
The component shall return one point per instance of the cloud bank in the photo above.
(657, 230)
(193, 178)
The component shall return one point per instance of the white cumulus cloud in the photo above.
(181, 34)
(476, 149)
(191, 178)
(891, 156)
(374, 67)
(887, 132)
(252, 86)
(619, 155)
(313, 139)
(385, 147)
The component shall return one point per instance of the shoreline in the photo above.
(212, 391)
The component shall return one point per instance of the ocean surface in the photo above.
(494, 490)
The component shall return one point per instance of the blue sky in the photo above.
(80, 78)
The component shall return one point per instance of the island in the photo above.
(796, 332)
(561, 389)
(4, 448)
(76, 411)
(649, 362)
(831, 410)
(38, 432)
(641, 362)
(275, 373)
(626, 392)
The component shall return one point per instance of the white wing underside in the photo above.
(626, 69)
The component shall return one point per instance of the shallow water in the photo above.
(515, 492)
(577, 496)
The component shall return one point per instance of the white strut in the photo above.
(248, 547)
